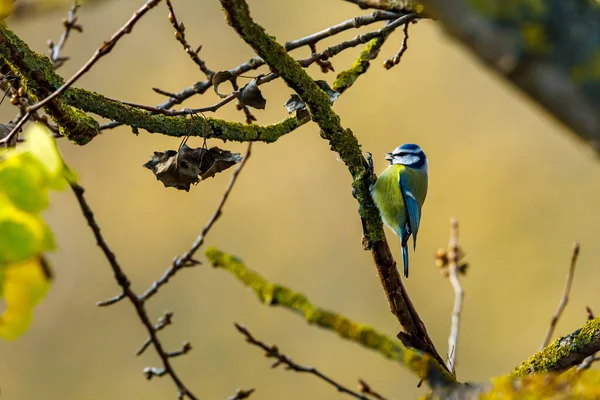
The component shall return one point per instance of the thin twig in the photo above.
(166, 319)
(589, 360)
(368, 390)
(138, 304)
(180, 36)
(241, 394)
(315, 57)
(453, 271)
(358, 40)
(587, 363)
(282, 359)
(69, 23)
(565, 296)
(390, 62)
(187, 259)
(355, 22)
(257, 62)
(100, 52)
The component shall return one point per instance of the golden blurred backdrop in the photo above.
(522, 187)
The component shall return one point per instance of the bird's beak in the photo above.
(389, 156)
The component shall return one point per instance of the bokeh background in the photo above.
(522, 186)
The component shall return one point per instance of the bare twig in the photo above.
(180, 36)
(565, 296)
(358, 40)
(138, 304)
(368, 390)
(389, 5)
(390, 62)
(69, 23)
(322, 56)
(100, 52)
(241, 394)
(453, 270)
(187, 259)
(257, 62)
(587, 363)
(166, 319)
(111, 301)
(282, 359)
(590, 313)
(356, 22)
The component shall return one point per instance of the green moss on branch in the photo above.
(41, 80)
(565, 352)
(273, 294)
(343, 142)
(346, 78)
(38, 76)
(179, 126)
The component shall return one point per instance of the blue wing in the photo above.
(411, 204)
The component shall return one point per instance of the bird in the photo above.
(399, 193)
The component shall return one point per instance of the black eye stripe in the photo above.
(404, 154)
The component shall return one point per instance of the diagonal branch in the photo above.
(565, 352)
(282, 359)
(565, 297)
(187, 259)
(343, 142)
(137, 303)
(276, 295)
(100, 52)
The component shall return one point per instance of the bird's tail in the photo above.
(405, 259)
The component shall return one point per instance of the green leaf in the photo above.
(24, 181)
(22, 285)
(41, 145)
(22, 235)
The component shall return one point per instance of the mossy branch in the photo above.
(569, 385)
(345, 143)
(273, 294)
(39, 77)
(346, 78)
(565, 352)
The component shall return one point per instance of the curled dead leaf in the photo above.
(250, 95)
(180, 169)
(218, 78)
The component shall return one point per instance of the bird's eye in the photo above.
(183, 164)
(401, 154)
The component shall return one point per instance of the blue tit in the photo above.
(399, 193)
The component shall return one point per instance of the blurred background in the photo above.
(521, 185)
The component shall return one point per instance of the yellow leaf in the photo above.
(22, 235)
(6, 8)
(40, 143)
(22, 285)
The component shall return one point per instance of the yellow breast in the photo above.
(388, 199)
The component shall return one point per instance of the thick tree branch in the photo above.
(34, 69)
(343, 142)
(103, 50)
(565, 352)
(273, 294)
(547, 48)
